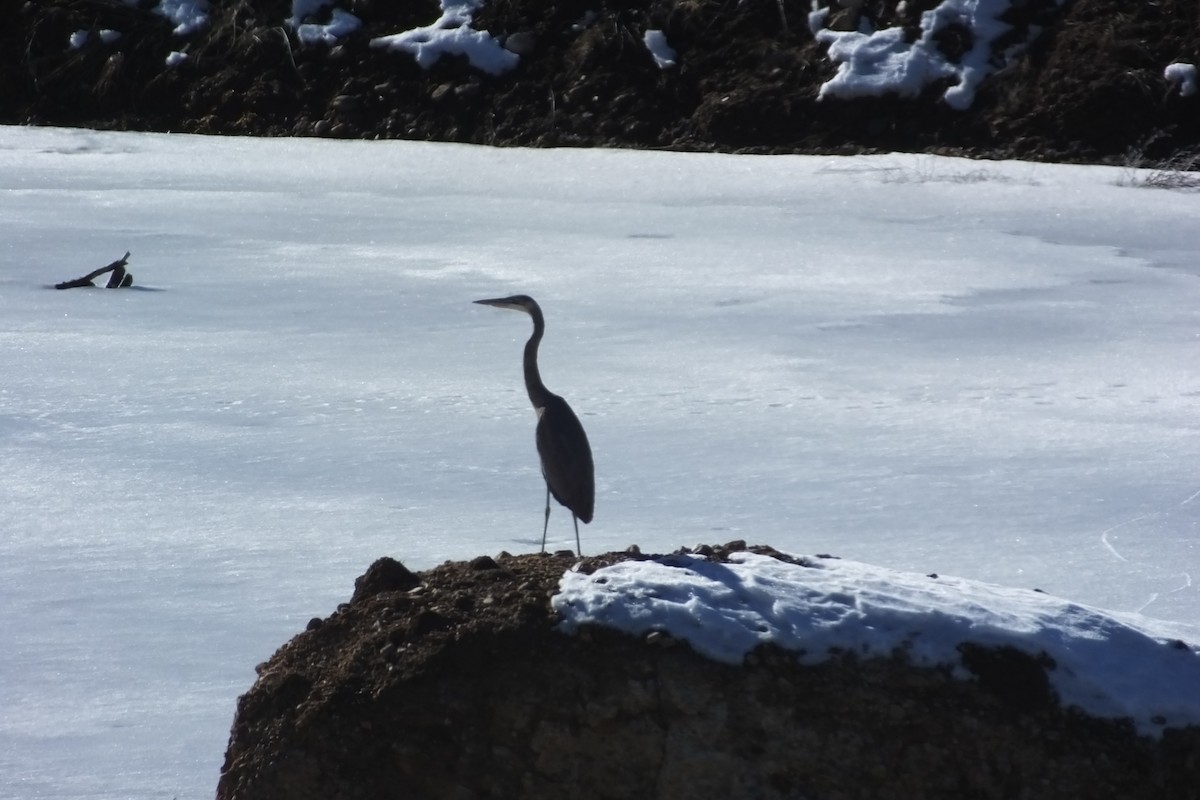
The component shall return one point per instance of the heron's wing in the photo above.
(566, 458)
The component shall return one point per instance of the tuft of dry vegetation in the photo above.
(1178, 172)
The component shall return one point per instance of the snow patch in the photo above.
(341, 24)
(1103, 666)
(656, 43)
(872, 63)
(187, 15)
(1183, 75)
(452, 34)
(80, 37)
(304, 8)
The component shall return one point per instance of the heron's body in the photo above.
(562, 443)
(566, 466)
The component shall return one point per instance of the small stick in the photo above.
(119, 278)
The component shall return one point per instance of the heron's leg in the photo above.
(546, 524)
(578, 549)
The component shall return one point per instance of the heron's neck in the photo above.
(539, 395)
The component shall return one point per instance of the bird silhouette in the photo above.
(562, 444)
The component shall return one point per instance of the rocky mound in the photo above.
(1081, 80)
(454, 683)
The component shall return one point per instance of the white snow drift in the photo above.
(1106, 667)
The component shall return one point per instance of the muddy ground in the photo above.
(1089, 89)
(455, 683)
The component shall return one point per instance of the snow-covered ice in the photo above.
(979, 369)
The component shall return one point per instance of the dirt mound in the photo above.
(1090, 87)
(453, 683)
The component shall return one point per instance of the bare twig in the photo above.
(118, 280)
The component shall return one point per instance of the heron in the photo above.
(562, 444)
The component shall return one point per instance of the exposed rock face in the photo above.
(454, 684)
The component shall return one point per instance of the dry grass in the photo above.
(1180, 172)
(932, 170)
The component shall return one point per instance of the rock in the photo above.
(385, 575)
(523, 43)
(346, 103)
(417, 694)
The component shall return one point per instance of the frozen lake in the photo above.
(984, 370)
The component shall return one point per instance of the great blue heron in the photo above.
(561, 443)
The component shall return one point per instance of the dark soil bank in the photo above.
(1088, 87)
(454, 683)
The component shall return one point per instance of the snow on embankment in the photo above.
(452, 34)
(1105, 667)
(872, 62)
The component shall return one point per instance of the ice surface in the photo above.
(984, 370)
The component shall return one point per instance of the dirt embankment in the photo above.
(1089, 88)
(454, 683)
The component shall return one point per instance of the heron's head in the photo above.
(517, 302)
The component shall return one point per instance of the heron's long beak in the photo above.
(500, 302)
